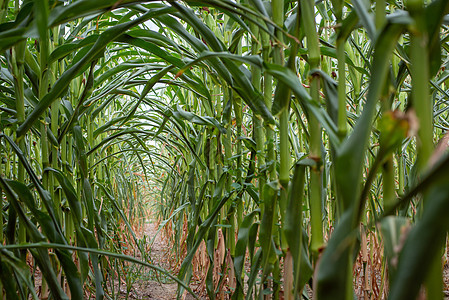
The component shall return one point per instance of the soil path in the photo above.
(150, 288)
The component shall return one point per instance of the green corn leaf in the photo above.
(73, 276)
(242, 242)
(393, 228)
(21, 273)
(83, 8)
(424, 242)
(293, 225)
(365, 18)
(332, 275)
(203, 229)
(200, 120)
(435, 12)
(291, 80)
(41, 257)
(60, 87)
(266, 227)
(65, 49)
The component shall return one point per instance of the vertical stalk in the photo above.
(284, 149)
(388, 181)
(18, 59)
(380, 14)
(267, 94)
(54, 117)
(277, 7)
(341, 67)
(422, 103)
(3, 9)
(308, 15)
(341, 88)
(219, 150)
(257, 122)
(43, 89)
(238, 111)
(238, 122)
(227, 145)
(420, 91)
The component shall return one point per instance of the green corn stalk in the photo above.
(315, 143)
(423, 106)
(18, 71)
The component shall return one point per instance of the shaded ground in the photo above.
(145, 288)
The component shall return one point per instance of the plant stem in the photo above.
(315, 143)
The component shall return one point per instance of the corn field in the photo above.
(288, 149)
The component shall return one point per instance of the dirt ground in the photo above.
(152, 289)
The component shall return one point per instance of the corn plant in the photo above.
(275, 139)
